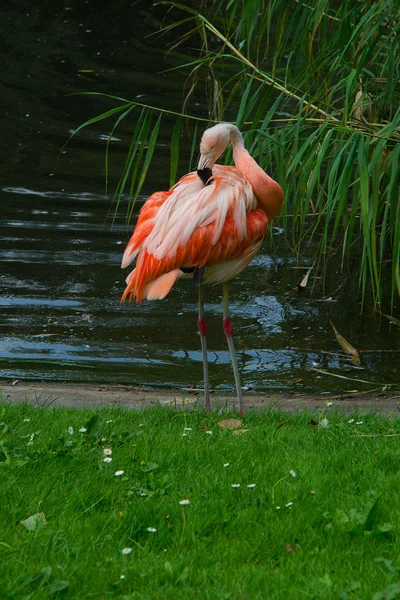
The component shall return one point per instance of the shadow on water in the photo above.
(60, 277)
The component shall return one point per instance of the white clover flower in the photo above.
(351, 421)
(278, 508)
(251, 485)
(107, 459)
(126, 550)
(184, 434)
(122, 576)
(209, 432)
(83, 430)
(235, 485)
(151, 529)
(187, 429)
(359, 422)
(26, 420)
(184, 502)
(107, 451)
(118, 473)
(293, 473)
(289, 504)
(110, 421)
(227, 465)
(70, 430)
(328, 404)
(324, 423)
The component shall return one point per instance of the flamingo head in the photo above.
(214, 142)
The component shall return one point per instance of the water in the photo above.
(60, 278)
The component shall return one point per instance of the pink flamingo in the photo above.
(208, 226)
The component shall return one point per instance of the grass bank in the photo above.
(288, 507)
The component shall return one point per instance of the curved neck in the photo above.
(267, 191)
(236, 138)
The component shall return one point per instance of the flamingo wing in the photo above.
(194, 225)
(144, 226)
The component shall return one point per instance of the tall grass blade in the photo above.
(175, 144)
(147, 160)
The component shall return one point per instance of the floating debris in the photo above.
(347, 347)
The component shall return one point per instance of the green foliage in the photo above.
(316, 89)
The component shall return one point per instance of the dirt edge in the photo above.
(94, 396)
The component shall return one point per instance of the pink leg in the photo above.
(203, 329)
(228, 329)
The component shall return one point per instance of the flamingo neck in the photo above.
(267, 191)
(237, 139)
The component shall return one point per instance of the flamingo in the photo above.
(208, 226)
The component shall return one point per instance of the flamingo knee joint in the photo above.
(203, 327)
(228, 327)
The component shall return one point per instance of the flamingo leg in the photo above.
(203, 328)
(228, 329)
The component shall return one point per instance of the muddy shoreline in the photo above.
(94, 396)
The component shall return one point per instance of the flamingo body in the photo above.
(218, 226)
(211, 223)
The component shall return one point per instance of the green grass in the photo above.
(339, 538)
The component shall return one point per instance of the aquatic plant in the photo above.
(315, 87)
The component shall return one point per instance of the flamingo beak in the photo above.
(204, 167)
(205, 162)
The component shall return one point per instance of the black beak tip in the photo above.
(205, 175)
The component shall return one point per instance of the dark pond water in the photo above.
(60, 278)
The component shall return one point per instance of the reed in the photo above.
(315, 88)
